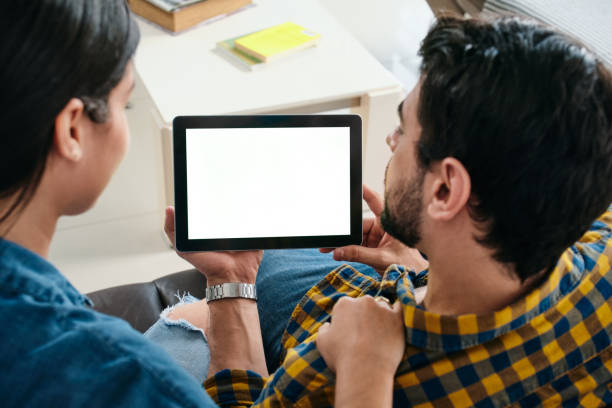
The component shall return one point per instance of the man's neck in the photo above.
(465, 279)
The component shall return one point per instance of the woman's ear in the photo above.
(451, 190)
(68, 133)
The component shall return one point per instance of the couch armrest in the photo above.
(141, 303)
(458, 7)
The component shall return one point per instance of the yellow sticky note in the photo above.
(275, 41)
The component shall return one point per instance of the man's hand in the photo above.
(233, 334)
(218, 267)
(378, 249)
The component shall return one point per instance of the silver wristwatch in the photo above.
(231, 290)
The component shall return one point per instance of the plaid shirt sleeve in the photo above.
(303, 380)
(235, 388)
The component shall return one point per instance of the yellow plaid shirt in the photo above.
(550, 348)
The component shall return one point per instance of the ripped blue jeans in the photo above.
(283, 278)
(186, 343)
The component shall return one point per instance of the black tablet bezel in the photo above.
(181, 123)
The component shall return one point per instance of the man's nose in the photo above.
(392, 140)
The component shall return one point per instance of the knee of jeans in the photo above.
(184, 299)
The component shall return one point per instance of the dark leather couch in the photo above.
(141, 303)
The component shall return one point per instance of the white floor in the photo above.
(120, 240)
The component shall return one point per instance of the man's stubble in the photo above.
(402, 215)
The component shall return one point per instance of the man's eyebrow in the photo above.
(399, 112)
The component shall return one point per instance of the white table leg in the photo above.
(168, 160)
(379, 113)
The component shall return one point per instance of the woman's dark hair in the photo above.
(52, 51)
(528, 112)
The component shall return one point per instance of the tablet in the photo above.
(267, 181)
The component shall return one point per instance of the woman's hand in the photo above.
(364, 344)
(365, 334)
(378, 249)
(218, 267)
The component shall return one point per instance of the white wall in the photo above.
(390, 29)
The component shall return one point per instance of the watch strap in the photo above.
(231, 290)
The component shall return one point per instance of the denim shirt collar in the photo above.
(24, 272)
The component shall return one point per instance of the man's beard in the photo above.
(402, 216)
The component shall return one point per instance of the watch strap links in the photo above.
(231, 290)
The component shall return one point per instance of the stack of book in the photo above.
(178, 15)
(256, 49)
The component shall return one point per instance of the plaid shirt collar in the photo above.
(433, 331)
(451, 333)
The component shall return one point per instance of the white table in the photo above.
(120, 240)
(185, 76)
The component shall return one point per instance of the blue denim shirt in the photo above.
(56, 351)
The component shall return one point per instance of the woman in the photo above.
(65, 78)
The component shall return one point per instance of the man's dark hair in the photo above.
(52, 51)
(528, 112)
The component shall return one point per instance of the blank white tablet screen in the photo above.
(268, 182)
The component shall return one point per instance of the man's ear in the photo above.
(68, 133)
(451, 189)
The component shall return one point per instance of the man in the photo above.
(501, 164)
